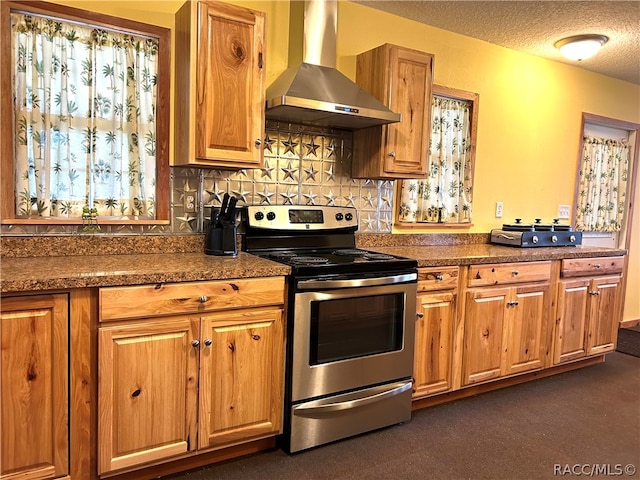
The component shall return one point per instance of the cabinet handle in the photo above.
(208, 342)
(203, 299)
(513, 304)
(515, 273)
(258, 142)
(594, 292)
(259, 59)
(195, 343)
(392, 154)
(419, 314)
(439, 277)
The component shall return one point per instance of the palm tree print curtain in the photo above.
(603, 185)
(84, 103)
(446, 195)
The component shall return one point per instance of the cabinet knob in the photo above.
(439, 277)
(195, 343)
(515, 273)
(258, 142)
(392, 154)
(420, 314)
(208, 342)
(597, 265)
(203, 298)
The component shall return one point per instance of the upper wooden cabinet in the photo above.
(401, 78)
(34, 385)
(220, 92)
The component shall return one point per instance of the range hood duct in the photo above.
(312, 91)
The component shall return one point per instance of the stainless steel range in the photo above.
(351, 323)
(536, 234)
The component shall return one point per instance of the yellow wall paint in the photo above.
(530, 108)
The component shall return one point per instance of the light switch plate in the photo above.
(564, 212)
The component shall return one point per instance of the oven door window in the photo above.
(355, 327)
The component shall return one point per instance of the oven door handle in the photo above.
(312, 408)
(361, 282)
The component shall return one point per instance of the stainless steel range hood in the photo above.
(312, 91)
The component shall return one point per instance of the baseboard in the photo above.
(629, 323)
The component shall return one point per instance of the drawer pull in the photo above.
(439, 277)
(597, 265)
(515, 273)
(208, 342)
(195, 343)
(203, 298)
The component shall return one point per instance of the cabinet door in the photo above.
(230, 85)
(434, 343)
(241, 376)
(147, 391)
(571, 322)
(483, 330)
(603, 315)
(528, 311)
(407, 142)
(33, 387)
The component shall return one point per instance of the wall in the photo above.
(529, 114)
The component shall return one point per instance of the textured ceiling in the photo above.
(534, 26)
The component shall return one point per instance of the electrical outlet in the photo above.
(190, 202)
(564, 212)
(499, 209)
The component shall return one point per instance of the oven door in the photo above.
(350, 334)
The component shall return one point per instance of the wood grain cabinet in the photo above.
(34, 385)
(588, 307)
(437, 295)
(506, 320)
(220, 90)
(188, 367)
(402, 79)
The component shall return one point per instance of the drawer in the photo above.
(437, 278)
(505, 273)
(118, 303)
(591, 266)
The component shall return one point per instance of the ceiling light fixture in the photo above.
(580, 47)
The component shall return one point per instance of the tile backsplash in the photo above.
(302, 166)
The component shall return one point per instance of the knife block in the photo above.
(221, 241)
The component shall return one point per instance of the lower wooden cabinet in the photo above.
(34, 384)
(435, 326)
(505, 331)
(177, 384)
(587, 322)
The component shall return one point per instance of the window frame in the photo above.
(455, 94)
(7, 181)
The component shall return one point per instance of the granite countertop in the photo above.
(31, 266)
(24, 274)
(451, 255)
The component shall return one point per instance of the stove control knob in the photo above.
(271, 216)
(554, 238)
(259, 216)
(348, 217)
(534, 239)
(572, 238)
(339, 216)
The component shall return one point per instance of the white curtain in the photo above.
(603, 184)
(85, 119)
(445, 196)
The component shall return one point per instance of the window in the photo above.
(89, 113)
(445, 196)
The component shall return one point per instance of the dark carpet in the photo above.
(586, 417)
(629, 341)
